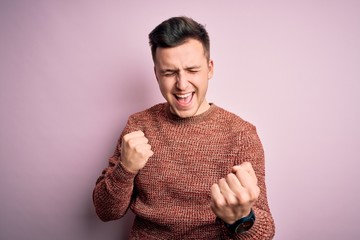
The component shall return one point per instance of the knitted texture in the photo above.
(170, 196)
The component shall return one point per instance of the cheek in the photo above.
(203, 80)
(164, 86)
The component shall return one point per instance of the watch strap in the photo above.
(242, 225)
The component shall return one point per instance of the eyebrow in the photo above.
(169, 70)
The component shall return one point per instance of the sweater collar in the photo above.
(194, 119)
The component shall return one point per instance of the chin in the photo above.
(185, 115)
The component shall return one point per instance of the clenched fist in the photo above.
(135, 151)
(233, 196)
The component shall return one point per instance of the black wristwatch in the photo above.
(242, 225)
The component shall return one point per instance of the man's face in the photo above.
(183, 73)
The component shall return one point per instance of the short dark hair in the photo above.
(177, 30)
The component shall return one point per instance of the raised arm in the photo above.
(244, 189)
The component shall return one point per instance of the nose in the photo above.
(181, 81)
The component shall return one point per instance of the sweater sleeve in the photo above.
(113, 191)
(251, 150)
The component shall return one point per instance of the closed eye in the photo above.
(169, 74)
(193, 69)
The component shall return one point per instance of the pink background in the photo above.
(72, 71)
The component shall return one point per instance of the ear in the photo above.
(211, 69)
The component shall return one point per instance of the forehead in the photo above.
(188, 53)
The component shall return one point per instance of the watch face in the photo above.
(245, 226)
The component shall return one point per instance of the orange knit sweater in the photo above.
(170, 196)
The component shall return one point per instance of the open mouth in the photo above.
(184, 99)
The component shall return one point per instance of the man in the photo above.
(187, 168)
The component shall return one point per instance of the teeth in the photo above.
(184, 95)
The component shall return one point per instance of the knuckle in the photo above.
(240, 171)
(245, 199)
(125, 138)
(250, 196)
(256, 192)
(255, 180)
(232, 201)
(131, 142)
(229, 176)
(248, 164)
(138, 149)
(219, 203)
(222, 181)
